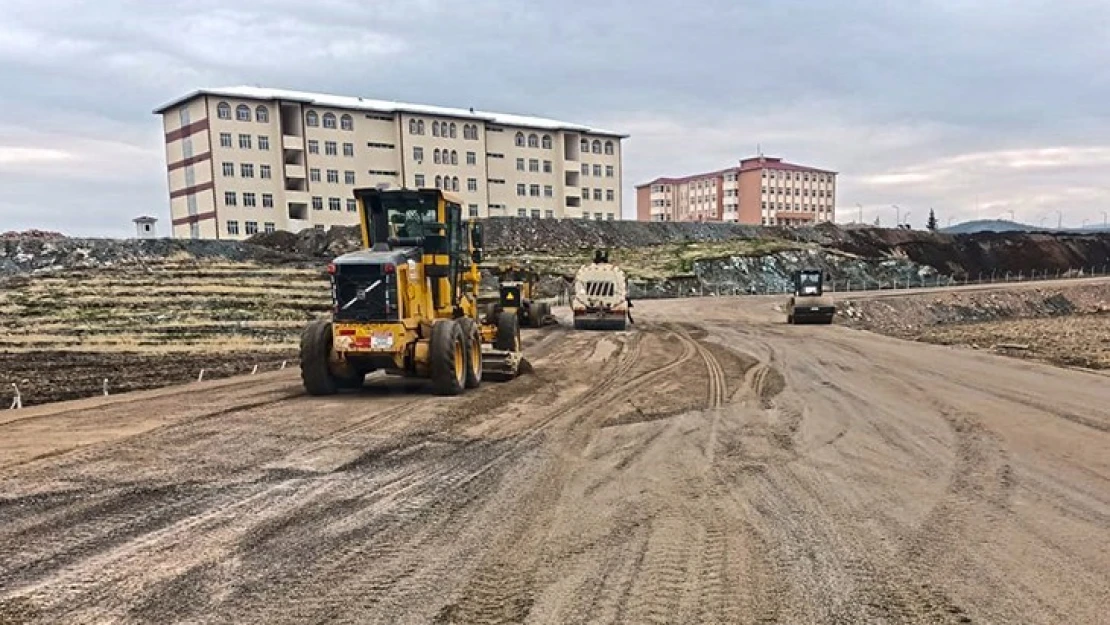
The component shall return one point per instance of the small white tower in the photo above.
(144, 227)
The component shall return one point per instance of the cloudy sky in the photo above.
(973, 107)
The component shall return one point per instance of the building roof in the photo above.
(385, 106)
(747, 164)
(145, 218)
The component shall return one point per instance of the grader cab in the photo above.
(406, 304)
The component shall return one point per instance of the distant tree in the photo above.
(932, 223)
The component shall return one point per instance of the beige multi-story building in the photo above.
(759, 191)
(243, 160)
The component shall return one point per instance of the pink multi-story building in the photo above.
(761, 191)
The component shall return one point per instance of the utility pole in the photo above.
(860, 207)
(897, 215)
(1059, 220)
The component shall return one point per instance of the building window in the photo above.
(330, 148)
(608, 147)
(471, 184)
(262, 114)
(352, 206)
(246, 170)
(471, 158)
(533, 165)
(435, 129)
(439, 181)
(522, 212)
(314, 174)
(535, 213)
(547, 167)
(521, 189)
(311, 119)
(585, 193)
(313, 146)
(533, 141)
(333, 176)
(245, 142)
(546, 142)
(419, 126)
(548, 190)
(520, 164)
(597, 216)
(597, 171)
(317, 203)
(454, 157)
(452, 128)
(251, 227)
(608, 171)
(534, 190)
(225, 139)
(381, 172)
(519, 140)
(229, 198)
(550, 214)
(609, 195)
(609, 216)
(319, 227)
(267, 200)
(233, 227)
(264, 172)
(597, 147)
(263, 142)
(418, 180)
(348, 149)
(412, 126)
(243, 113)
(329, 120)
(584, 145)
(417, 153)
(381, 146)
(435, 155)
(473, 208)
(348, 177)
(268, 227)
(335, 204)
(346, 123)
(229, 170)
(223, 110)
(597, 195)
(454, 182)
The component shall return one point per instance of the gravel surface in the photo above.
(711, 465)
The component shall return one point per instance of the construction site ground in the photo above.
(710, 465)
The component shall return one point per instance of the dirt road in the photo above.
(710, 466)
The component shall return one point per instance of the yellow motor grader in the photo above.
(407, 304)
(516, 294)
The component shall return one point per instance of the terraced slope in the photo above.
(149, 324)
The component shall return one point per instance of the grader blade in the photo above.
(502, 366)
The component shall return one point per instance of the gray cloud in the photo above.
(927, 103)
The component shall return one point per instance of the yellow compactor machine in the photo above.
(407, 302)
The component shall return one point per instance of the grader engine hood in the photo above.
(365, 284)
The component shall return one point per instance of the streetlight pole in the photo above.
(897, 215)
(1059, 219)
(860, 207)
(907, 218)
(1104, 219)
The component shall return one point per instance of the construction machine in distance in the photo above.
(809, 304)
(516, 294)
(600, 296)
(407, 303)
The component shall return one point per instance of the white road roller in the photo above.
(600, 300)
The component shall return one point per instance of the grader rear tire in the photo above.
(508, 333)
(473, 339)
(447, 354)
(315, 351)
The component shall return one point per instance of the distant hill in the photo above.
(1003, 225)
(989, 225)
